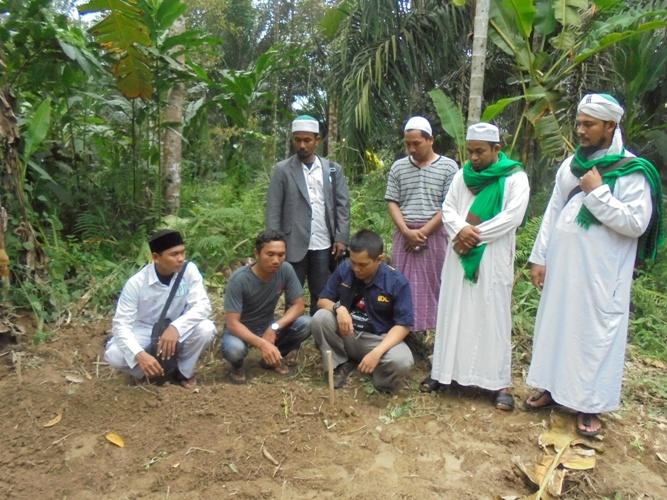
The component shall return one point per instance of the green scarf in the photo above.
(647, 247)
(488, 185)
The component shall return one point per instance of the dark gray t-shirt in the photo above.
(255, 300)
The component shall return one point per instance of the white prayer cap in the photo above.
(601, 106)
(419, 123)
(483, 132)
(305, 123)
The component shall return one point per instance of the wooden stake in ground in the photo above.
(19, 375)
(331, 378)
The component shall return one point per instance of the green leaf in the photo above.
(498, 107)
(613, 38)
(168, 12)
(95, 6)
(569, 12)
(545, 20)
(38, 127)
(42, 173)
(511, 21)
(565, 40)
(334, 16)
(450, 116)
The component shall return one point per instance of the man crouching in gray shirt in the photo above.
(250, 302)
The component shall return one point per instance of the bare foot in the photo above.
(538, 401)
(189, 383)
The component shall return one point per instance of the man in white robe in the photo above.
(583, 259)
(473, 333)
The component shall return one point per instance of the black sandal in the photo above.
(429, 385)
(504, 401)
(587, 420)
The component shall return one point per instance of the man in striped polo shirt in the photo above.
(416, 188)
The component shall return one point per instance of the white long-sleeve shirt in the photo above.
(141, 302)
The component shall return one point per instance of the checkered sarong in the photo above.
(422, 268)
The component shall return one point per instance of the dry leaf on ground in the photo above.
(114, 438)
(54, 420)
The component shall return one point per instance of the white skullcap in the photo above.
(418, 123)
(483, 132)
(601, 106)
(305, 123)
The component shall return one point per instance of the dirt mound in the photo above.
(279, 437)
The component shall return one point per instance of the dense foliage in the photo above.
(83, 104)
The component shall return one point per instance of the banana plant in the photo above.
(549, 41)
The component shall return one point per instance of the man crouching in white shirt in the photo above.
(140, 305)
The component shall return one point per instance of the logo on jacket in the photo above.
(384, 299)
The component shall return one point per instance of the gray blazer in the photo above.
(288, 205)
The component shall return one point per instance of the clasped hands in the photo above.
(416, 239)
(166, 349)
(467, 239)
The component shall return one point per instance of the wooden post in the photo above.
(331, 378)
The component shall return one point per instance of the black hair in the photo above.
(369, 241)
(267, 236)
(424, 134)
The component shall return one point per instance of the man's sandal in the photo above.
(504, 401)
(237, 375)
(429, 385)
(531, 404)
(585, 420)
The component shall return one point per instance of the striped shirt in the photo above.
(419, 191)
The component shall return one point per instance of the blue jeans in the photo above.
(235, 350)
(314, 266)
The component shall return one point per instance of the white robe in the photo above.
(582, 321)
(473, 333)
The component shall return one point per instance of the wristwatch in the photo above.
(275, 326)
(335, 307)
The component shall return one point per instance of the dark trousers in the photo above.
(314, 266)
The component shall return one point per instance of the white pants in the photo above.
(189, 350)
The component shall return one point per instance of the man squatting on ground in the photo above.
(365, 314)
(300, 204)
(416, 189)
(250, 302)
(484, 207)
(604, 215)
(139, 308)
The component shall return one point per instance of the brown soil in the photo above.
(210, 443)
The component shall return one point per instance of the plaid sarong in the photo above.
(422, 268)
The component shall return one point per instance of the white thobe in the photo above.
(139, 307)
(473, 332)
(582, 321)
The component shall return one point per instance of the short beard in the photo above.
(303, 155)
(589, 150)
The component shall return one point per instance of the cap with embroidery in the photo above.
(483, 132)
(305, 123)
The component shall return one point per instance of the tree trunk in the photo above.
(478, 61)
(172, 144)
(332, 135)
(35, 258)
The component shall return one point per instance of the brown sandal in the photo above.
(528, 403)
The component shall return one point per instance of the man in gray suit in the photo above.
(308, 201)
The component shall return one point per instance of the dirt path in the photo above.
(210, 443)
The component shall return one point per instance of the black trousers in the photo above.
(315, 267)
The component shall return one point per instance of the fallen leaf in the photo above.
(114, 438)
(54, 420)
(573, 460)
(74, 379)
(662, 457)
(233, 468)
(269, 457)
(556, 478)
(559, 435)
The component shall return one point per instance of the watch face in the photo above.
(275, 326)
